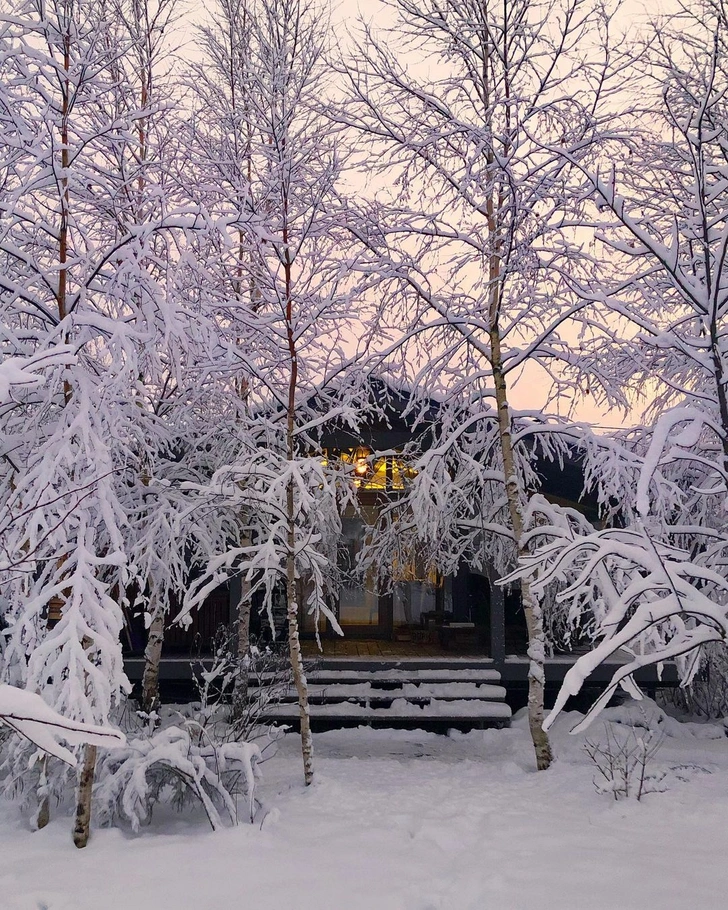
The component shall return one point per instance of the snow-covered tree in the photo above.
(656, 586)
(75, 275)
(475, 250)
(167, 532)
(284, 297)
(220, 142)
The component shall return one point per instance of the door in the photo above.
(362, 611)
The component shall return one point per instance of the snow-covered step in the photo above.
(397, 696)
(400, 707)
(455, 689)
(397, 675)
(447, 690)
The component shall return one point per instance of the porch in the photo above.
(384, 649)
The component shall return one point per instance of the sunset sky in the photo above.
(530, 391)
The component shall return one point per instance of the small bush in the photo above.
(267, 676)
(707, 695)
(623, 759)
(182, 764)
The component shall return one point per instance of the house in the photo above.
(423, 627)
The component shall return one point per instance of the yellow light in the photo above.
(361, 467)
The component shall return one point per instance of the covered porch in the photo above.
(383, 649)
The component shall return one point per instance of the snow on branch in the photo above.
(25, 371)
(654, 590)
(27, 714)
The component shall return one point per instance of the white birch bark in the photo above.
(152, 661)
(242, 678)
(82, 823)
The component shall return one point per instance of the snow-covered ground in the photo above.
(410, 821)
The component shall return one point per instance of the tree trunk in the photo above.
(152, 660)
(43, 812)
(536, 675)
(531, 605)
(242, 679)
(43, 815)
(82, 824)
(294, 645)
(720, 383)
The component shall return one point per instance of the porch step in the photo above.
(390, 689)
(398, 677)
(395, 696)
(405, 664)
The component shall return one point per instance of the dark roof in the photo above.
(391, 421)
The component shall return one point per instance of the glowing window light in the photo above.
(388, 472)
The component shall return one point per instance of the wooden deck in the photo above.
(373, 648)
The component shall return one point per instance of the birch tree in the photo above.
(143, 27)
(173, 377)
(657, 586)
(221, 142)
(475, 247)
(285, 296)
(70, 258)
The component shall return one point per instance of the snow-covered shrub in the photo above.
(178, 764)
(623, 760)
(707, 695)
(199, 752)
(267, 671)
